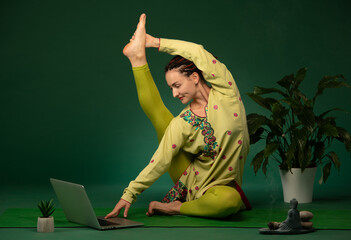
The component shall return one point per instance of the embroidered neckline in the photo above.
(206, 130)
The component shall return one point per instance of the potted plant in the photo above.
(46, 221)
(296, 137)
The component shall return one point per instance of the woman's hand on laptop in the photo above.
(121, 204)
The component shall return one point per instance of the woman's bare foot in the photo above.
(135, 49)
(158, 208)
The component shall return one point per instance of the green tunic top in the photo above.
(219, 141)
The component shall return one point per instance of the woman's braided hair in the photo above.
(184, 66)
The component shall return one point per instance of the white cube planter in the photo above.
(45, 225)
(298, 185)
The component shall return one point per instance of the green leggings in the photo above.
(218, 201)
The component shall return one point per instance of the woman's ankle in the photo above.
(137, 61)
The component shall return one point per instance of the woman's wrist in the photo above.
(125, 201)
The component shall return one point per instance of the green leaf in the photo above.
(264, 166)
(254, 138)
(50, 208)
(42, 204)
(270, 149)
(306, 157)
(295, 153)
(335, 159)
(275, 129)
(270, 136)
(262, 90)
(257, 161)
(263, 102)
(300, 75)
(307, 118)
(255, 121)
(301, 137)
(41, 208)
(293, 127)
(46, 207)
(328, 130)
(326, 171)
(302, 96)
(51, 212)
(330, 110)
(296, 106)
(330, 82)
(290, 155)
(344, 137)
(51, 203)
(286, 81)
(278, 114)
(319, 149)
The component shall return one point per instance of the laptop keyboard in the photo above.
(103, 222)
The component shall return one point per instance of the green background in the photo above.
(69, 107)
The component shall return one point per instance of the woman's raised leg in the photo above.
(149, 96)
(151, 101)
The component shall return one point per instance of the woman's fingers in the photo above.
(121, 204)
(114, 213)
(150, 210)
(126, 209)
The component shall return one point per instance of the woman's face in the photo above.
(182, 86)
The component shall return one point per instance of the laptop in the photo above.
(78, 209)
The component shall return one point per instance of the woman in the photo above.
(204, 148)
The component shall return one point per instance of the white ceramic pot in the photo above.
(298, 185)
(45, 225)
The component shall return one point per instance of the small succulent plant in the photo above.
(47, 208)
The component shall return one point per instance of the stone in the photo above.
(306, 216)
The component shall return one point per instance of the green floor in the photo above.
(164, 233)
(106, 196)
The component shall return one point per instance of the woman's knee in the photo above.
(228, 200)
(217, 202)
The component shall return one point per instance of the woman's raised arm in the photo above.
(213, 70)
